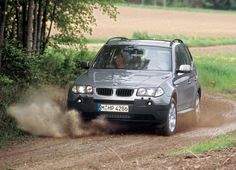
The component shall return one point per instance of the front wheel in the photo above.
(171, 123)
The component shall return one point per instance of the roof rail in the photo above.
(176, 40)
(116, 38)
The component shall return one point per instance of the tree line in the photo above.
(28, 23)
(212, 4)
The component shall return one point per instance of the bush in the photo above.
(60, 66)
(18, 72)
(21, 71)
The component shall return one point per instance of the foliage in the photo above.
(76, 17)
(11, 134)
(60, 66)
(74, 40)
(19, 71)
(217, 72)
(22, 71)
(25, 27)
(29, 23)
(191, 41)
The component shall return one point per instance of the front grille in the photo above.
(134, 117)
(116, 116)
(114, 101)
(124, 92)
(104, 91)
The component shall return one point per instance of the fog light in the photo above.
(149, 103)
(79, 101)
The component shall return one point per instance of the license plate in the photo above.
(112, 108)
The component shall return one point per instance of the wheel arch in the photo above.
(199, 91)
(174, 96)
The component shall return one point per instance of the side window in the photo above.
(179, 57)
(185, 55)
(189, 54)
(182, 56)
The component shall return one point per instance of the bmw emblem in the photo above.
(115, 84)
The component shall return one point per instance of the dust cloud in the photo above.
(43, 113)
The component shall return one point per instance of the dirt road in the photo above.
(127, 148)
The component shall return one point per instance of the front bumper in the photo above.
(139, 110)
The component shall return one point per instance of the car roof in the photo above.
(126, 41)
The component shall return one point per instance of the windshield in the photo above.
(134, 58)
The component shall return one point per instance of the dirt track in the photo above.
(126, 148)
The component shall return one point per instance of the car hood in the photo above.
(123, 78)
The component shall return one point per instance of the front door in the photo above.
(184, 82)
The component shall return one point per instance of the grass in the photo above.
(191, 41)
(185, 9)
(217, 73)
(13, 134)
(217, 143)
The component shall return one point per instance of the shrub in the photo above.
(21, 71)
(60, 66)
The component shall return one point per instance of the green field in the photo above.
(217, 73)
(191, 41)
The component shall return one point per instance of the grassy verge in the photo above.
(12, 134)
(217, 73)
(191, 41)
(216, 143)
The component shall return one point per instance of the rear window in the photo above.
(134, 58)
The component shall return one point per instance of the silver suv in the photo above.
(145, 81)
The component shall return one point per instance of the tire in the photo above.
(197, 111)
(171, 123)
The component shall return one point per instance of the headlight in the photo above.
(82, 89)
(159, 92)
(141, 92)
(89, 89)
(152, 92)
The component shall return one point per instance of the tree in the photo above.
(3, 9)
(29, 40)
(29, 22)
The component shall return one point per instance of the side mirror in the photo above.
(85, 64)
(184, 69)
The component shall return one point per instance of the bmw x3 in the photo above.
(138, 81)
